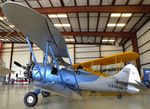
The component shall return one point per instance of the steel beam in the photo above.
(102, 9)
(104, 34)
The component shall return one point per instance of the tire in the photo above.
(45, 94)
(30, 99)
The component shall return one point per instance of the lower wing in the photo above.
(58, 89)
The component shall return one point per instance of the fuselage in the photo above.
(85, 80)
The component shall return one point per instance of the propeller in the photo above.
(19, 65)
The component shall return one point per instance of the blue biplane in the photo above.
(49, 76)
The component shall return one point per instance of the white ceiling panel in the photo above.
(69, 2)
(65, 21)
(94, 2)
(78, 39)
(102, 23)
(118, 29)
(45, 3)
(93, 14)
(91, 39)
(109, 29)
(60, 29)
(92, 23)
(83, 24)
(118, 41)
(107, 2)
(82, 15)
(34, 4)
(113, 19)
(72, 15)
(131, 23)
(23, 2)
(56, 3)
(123, 19)
(120, 2)
(104, 14)
(98, 39)
(85, 39)
(74, 24)
(55, 21)
(134, 2)
(81, 2)
(146, 2)
(140, 23)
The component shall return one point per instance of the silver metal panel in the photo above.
(37, 27)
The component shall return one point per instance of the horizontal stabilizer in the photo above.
(138, 85)
(58, 89)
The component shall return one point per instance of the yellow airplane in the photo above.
(114, 59)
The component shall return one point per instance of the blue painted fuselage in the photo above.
(85, 80)
(67, 76)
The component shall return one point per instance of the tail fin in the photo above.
(130, 75)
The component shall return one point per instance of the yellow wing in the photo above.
(117, 58)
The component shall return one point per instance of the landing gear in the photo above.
(119, 96)
(45, 94)
(30, 99)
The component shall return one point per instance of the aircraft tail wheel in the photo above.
(30, 99)
(45, 94)
(119, 96)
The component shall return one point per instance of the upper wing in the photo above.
(117, 58)
(37, 27)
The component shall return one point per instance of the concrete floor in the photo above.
(11, 97)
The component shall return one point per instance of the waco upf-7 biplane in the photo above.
(65, 81)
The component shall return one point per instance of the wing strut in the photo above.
(74, 74)
(33, 56)
(55, 61)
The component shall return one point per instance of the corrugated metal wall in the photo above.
(143, 36)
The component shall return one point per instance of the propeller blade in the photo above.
(17, 64)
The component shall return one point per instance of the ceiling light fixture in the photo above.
(57, 15)
(67, 40)
(111, 24)
(115, 15)
(1, 18)
(126, 15)
(12, 26)
(104, 40)
(111, 40)
(120, 24)
(62, 25)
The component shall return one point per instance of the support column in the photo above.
(74, 53)
(10, 65)
(100, 55)
(1, 46)
(136, 49)
(11, 55)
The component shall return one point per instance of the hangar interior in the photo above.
(92, 29)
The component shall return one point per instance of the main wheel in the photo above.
(30, 99)
(45, 94)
